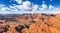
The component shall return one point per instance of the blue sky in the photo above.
(38, 2)
(29, 6)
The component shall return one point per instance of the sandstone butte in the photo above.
(36, 23)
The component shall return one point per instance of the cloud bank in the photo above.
(28, 7)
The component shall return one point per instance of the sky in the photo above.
(29, 6)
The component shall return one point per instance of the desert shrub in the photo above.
(42, 19)
(33, 21)
(27, 25)
(19, 29)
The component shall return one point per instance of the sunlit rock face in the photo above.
(30, 23)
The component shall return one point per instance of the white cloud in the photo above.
(35, 7)
(51, 7)
(1, 5)
(19, 1)
(54, 9)
(44, 7)
(5, 9)
(28, 7)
